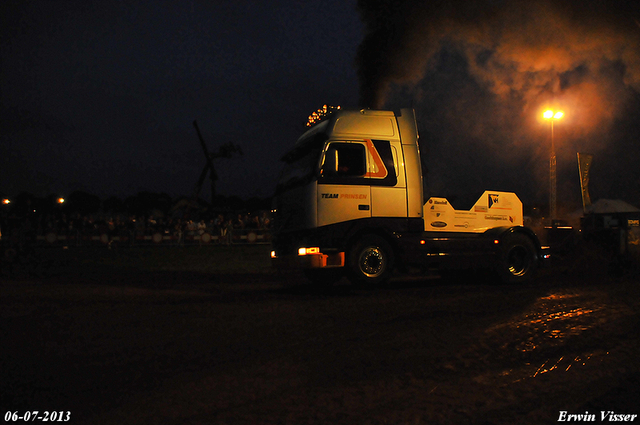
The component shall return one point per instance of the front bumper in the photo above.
(313, 260)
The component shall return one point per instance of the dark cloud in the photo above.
(522, 46)
(480, 74)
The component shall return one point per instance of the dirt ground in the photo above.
(125, 345)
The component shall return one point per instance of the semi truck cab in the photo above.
(350, 201)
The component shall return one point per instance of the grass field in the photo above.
(199, 259)
(210, 259)
(231, 260)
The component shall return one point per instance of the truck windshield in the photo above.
(301, 166)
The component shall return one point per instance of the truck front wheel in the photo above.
(518, 260)
(370, 261)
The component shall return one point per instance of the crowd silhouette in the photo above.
(29, 221)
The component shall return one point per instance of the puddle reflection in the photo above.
(551, 320)
(543, 337)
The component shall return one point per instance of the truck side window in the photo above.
(351, 159)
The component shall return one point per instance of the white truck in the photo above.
(350, 201)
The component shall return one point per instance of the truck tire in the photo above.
(518, 260)
(370, 261)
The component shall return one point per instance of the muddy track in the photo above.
(124, 346)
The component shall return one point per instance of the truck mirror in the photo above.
(330, 166)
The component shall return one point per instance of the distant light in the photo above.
(558, 115)
(6, 201)
(61, 200)
(548, 114)
(273, 254)
(496, 241)
(422, 242)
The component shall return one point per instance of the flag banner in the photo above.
(584, 163)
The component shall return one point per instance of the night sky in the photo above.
(100, 96)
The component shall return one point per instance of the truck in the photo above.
(349, 202)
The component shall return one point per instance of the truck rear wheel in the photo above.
(370, 261)
(518, 259)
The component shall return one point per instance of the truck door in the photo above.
(344, 192)
(388, 191)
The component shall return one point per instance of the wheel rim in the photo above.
(518, 260)
(372, 262)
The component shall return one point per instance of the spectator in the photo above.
(178, 232)
(82, 227)
(202, 228)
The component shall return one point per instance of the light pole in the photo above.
(552, 116)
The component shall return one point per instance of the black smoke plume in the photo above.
(480, 73)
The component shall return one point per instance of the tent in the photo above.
(603, 206)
